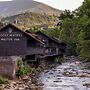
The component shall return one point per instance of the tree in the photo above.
(68, 31)
(1, 24)
(83, 45)
(75, 30)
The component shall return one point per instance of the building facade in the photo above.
(15, 42)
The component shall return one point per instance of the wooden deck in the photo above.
(32, 51)
(50, 55)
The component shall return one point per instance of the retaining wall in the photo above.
(8, 66)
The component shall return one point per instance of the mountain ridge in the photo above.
(29, 19)
(10, 8)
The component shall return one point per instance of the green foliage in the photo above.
(83, 45)
(58, 60)
(23, 70)
(75, 30)
(71, 49)
(54, 33)
(30, 19)
(3, 80)
(84, 49)
(34, 29)
(68, 31)
(87, 67)
(20, 63)
(1, 24)
(45, 32)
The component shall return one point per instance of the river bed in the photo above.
(67, 76)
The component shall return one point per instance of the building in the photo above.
(53, 46)
(16, 42)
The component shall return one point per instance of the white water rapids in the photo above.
(68, 76)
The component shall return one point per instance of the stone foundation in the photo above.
(8, 66)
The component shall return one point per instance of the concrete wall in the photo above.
(8, 66)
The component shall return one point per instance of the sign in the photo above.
(10, 36)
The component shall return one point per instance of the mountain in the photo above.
(14, 7)
(29, 19)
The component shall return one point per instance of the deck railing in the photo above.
(53, 52)
(31, 51)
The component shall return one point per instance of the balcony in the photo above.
(32, 51)
(52, 52)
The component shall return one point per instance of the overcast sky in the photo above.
(61, 4)
(5, 0)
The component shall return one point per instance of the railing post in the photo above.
(57, 50)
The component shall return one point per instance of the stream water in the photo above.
(68, 76)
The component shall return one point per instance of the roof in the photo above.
(51, 38)
(34, 35)
(58, 41)
(30, 35)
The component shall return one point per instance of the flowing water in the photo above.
(68, 76)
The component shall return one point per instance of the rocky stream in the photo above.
(70, 75)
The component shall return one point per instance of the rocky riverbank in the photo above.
(71, 71)
(28, 82)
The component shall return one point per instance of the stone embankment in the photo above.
(70, 75)
(28, 82)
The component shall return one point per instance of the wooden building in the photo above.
(15, 42)
(52, 45)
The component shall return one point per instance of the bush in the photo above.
(3, 80)
(58, 60)
(71, 49)
(23, 71)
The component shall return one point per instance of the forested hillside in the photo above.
(29, 19)
(74, 29)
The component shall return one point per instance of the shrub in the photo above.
(3, 80)
(23, 71)
(58, 60)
